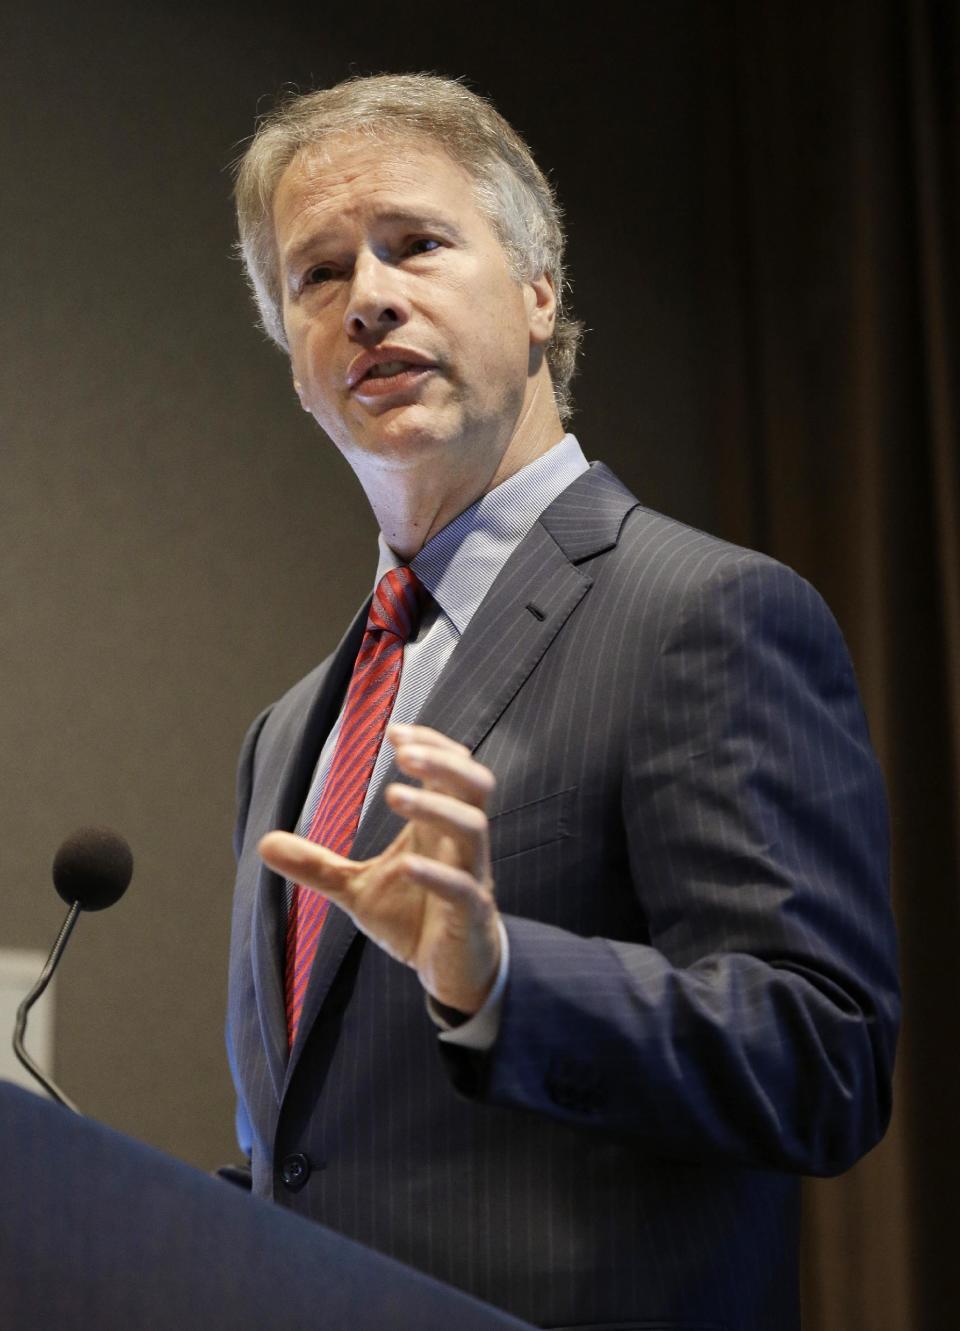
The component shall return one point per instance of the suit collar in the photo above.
(461, 562)
(585, 520)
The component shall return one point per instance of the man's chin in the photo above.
(404, 437)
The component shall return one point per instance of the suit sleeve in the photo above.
(758, 1025)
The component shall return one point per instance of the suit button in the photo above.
(295, 1170)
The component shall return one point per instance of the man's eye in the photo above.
(317, 275)
(423, 245)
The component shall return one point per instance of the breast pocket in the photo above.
(527, 826)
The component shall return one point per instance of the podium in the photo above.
(99, 1232)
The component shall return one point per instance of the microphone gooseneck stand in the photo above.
(20, 1029)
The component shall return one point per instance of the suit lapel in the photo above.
(515, 624)
(269, 924)
(523, 612)
(526, 608)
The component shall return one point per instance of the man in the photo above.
(577, 965)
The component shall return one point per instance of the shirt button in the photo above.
(295, 1170)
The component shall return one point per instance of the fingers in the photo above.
(304, 862)
(456, 886)
(441, 764)
(457, 955)
(445, 815)
(450, 800)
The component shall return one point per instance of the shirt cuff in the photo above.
(479, 1031)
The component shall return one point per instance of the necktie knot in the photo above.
(398, 603)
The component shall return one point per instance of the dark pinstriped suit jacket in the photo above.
(689, 840)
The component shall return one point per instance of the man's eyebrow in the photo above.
(421, 221)
(318, 240)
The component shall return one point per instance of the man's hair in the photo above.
(509, 188)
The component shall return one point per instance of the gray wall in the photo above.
(178, 541)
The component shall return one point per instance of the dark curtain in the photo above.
(831, 280)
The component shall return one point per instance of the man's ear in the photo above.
(298, 389)
(541, 301)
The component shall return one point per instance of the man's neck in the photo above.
(412, 506)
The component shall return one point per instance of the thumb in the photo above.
(304, 862)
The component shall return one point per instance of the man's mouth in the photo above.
(390, 367)
(377, 372)
(391, 376)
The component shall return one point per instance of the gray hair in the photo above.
(510, 189)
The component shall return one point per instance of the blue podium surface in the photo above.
(99, 1231)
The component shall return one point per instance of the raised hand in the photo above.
(428, 899)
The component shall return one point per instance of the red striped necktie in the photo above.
(394, 615)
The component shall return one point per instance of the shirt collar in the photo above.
(459, 565)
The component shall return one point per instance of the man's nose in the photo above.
(376, 302)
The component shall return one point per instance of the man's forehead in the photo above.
(404, 177)
(382, 151)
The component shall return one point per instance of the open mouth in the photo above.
(387, 369)
(391, 376)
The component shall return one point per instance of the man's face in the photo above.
(410, 339)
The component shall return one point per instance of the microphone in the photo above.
(91, 870)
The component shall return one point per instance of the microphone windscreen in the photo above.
(93, 867)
